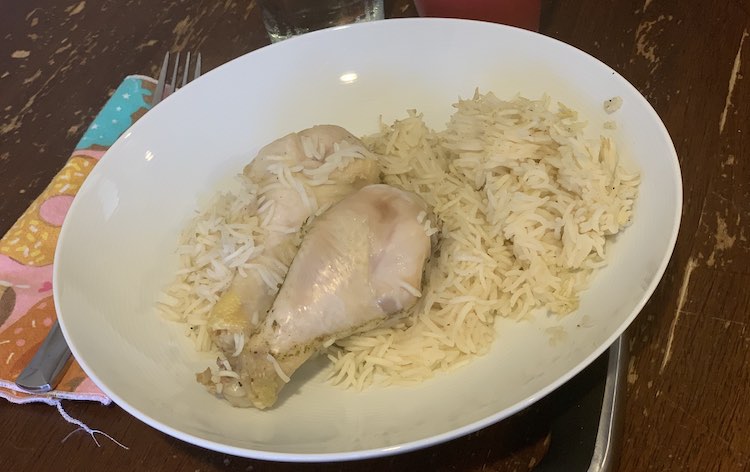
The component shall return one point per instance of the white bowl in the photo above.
(117, 246)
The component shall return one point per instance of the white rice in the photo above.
(524, 205)
(213, 245)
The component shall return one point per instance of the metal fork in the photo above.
(163, 88)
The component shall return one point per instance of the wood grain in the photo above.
(689, 381)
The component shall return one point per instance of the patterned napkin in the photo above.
(27, 251)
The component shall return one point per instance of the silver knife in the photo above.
(48, 364)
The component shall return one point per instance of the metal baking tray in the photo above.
(586, 431)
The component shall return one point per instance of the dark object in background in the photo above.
(520, 13)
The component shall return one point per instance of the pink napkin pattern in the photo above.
(27, 251)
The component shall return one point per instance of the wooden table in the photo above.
(688, 398)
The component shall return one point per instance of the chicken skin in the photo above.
(296, 175)
(359, 263)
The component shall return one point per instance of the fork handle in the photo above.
(45, 369)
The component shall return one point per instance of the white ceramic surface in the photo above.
(116, 247)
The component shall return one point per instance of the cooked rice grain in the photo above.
(525, 204)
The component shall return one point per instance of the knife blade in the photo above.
(48, 364)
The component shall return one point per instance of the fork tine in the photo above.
(173, 84)
(163, 88)
(197, 67)
(186, 70)
(161, 83)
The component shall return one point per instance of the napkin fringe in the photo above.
(57, 402)
(82, 426)
(6, 389)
